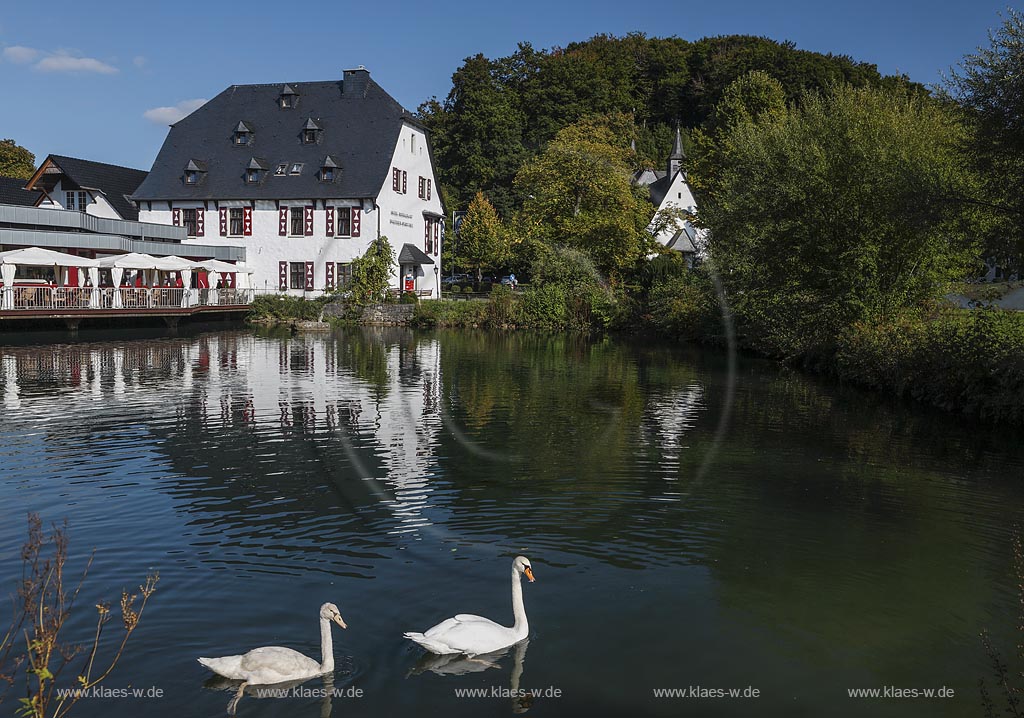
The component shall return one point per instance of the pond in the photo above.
(689, 527)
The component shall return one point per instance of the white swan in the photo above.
(476, 635)
(275, 664)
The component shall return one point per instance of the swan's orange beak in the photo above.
(338, 619)
(529, 573)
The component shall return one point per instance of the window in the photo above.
(396, 179)
(281, 170)
(287, 101)
(344, 228)
(327, 174)
(344, 274)
(76, 200)
(309, 137)
(252, 176)
(297, 275)
(296, 168)
(298, 221)
(241, 138)
(235, 224)
(412, 144)
(191, 176)
(188, 218)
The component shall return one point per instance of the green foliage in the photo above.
(579, 194)
(16, 161)
(371, 273)
(971, 362)
(283, 307)
(503, 112)
(443, 313)
(835, 209)
(989, 87)
(483, 242)
(683, 305)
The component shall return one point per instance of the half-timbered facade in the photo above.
(306, 176)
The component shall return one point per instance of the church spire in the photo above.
(675, 160)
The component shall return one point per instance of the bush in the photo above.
(447, 313)
(409, 298)
(971, 362)
(684, 306)
(287, 308)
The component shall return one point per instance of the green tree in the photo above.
(840, 207)
(989, 86)
(16, 161)
(372, 272)
(483, 243)
(579, 194)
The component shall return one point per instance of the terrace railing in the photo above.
(37, 298)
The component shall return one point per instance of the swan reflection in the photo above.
(461, 665)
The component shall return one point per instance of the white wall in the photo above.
(98, 205)
(680, 196)
(399, 210)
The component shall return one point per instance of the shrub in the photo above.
(971, 362)
(288, 308)
(445, 313)
(409, 298)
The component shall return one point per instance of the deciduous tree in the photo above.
(15, 160)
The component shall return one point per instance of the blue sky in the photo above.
(101, 79)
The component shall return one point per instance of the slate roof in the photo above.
(659, 188)
(360, 127)
(115, 182)
(12, 191)
(411, 254)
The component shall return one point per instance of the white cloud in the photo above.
(63, 62)
(170, 115)
(19, 54)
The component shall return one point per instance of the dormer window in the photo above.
(254, 171)
(288, 97)
(311, 132)
(296, 168)
(328, 169)
(243, 134)
(194, 171)
(281, 170)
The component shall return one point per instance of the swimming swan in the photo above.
(476, 635)
(275, 664)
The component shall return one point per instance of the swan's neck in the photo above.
(521, 626)
(326, 647)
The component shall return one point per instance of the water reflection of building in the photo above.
(669, 417)
(370, 403)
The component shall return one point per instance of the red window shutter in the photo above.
(437, 236)
(428, 188)
(282, 221)
(396, 179)
(176, 217)
(357, 215)
(309, 275)
(426, 234)
(308, 218)
(330, 275)
(247, 221)
(223, 212)
(200, 222)
(282, 276)
(405, 180)
(419, 188)
(329, 215)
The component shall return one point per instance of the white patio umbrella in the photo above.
(117, 263)
(34, 257)
(183, 267)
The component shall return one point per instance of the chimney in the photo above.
(355, 82)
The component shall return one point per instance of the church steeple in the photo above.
(675, 160)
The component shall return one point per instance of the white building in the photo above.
(95, 188)
(670, 189)
(306, 176)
